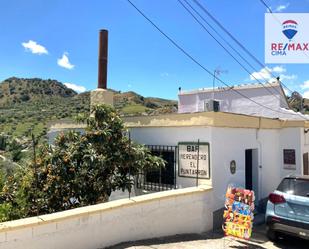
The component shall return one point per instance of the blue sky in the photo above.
(58, 39)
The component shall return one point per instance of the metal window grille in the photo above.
(163, 178)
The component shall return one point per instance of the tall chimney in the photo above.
(101, 95)
(103, 52)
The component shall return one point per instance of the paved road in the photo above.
(216, 240)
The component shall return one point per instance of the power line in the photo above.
(198, 63)
(236, 41)
(261, 64)
(267, 7)
(203, 26)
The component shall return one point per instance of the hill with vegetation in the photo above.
(19, 90)
(28, 105)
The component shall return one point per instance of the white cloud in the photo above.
(34, 48)
(278, 8)
(281, 7)
(263, 74)
(305, 85)
(165, 74)
(288, 77)
(266, 73)
(278, 69)
(75, 87)
(64, 61)
(306, 94)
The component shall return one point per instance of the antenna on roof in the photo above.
(217, 72)
(179, 89)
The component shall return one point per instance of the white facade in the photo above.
(242, 99)
(227, 144)
(255, 142)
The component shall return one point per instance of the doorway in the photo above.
(306, 163)
(252, 171)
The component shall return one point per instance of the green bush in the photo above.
(78, 170)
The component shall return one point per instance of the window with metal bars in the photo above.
(163, 178)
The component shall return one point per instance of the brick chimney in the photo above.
(101, 95)
(103, 55)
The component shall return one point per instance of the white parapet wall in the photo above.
(160, 214)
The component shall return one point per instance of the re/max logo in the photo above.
(290, 46)
(281, 48)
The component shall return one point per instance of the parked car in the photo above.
(287, 208)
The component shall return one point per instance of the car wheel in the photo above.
(271, 234)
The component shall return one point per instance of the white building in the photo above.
(243, 144)
(235, 100)
(264, 145)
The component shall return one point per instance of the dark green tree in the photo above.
(14, 147)
(83, 168)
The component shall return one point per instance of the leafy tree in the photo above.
(14, 147)
(14, 196)
(3, 141)
(80, 168)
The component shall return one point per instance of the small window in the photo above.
(289, 157)
(165, 175)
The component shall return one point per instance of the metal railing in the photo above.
(163, 178)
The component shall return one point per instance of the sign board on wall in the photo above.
(289, 159)
(193, 160)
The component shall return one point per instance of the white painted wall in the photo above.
(154, 215)
(171, 136)
(230, 144)
(305, 143)
(227, 144)
(269, 174)
(231, 101)
(291, 138)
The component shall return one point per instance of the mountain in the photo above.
(18, 90)
(29, 105)
(131, 103)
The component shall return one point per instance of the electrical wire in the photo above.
(199, 64)
(246, 50)
(267, 7)
(203, 26)
(237, 41)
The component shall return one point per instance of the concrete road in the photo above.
(216, 240)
